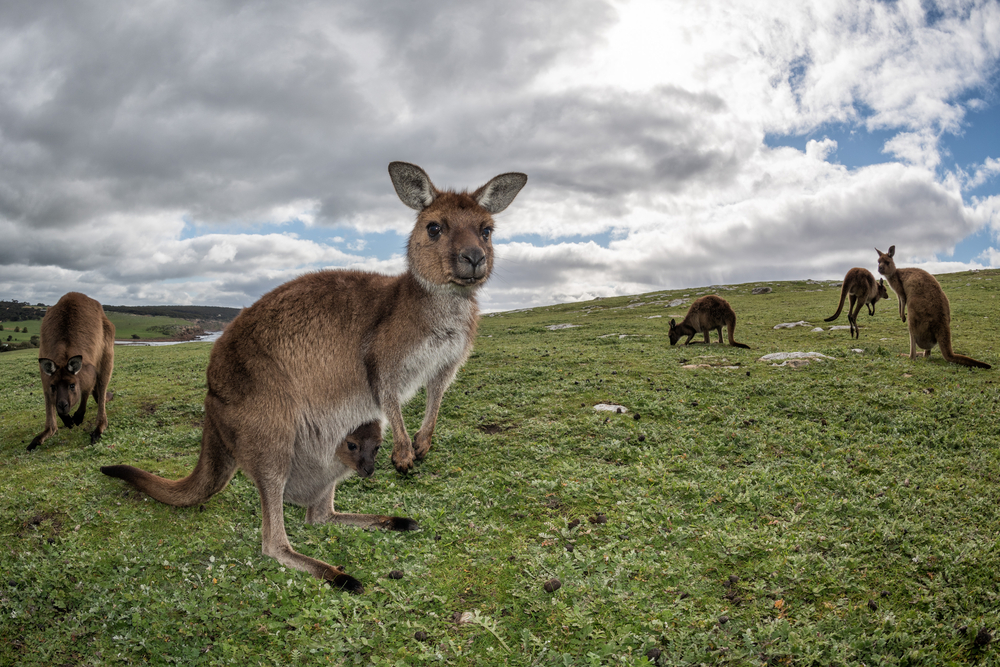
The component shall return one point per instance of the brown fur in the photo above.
(75, 357)
(860, 284)
(705, 314)
(298, 370)
(925, 303)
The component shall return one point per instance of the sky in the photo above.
(157, 152)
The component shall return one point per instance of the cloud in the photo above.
(177, 153)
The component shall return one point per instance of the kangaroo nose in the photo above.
(62, 407)
(474, 256)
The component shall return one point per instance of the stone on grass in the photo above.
(611, 407)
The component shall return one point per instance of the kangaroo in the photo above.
(864, 291)
(76, 356)
(925, 303)
(705, 314)
(299, 369)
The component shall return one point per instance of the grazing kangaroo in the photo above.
(297, 371)
(864, 291)
(76, 356)
(925, 303)
(705, 314)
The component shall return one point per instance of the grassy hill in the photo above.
(128, 326)
(842, 512)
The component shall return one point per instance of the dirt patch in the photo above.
(48, 524)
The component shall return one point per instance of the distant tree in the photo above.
(24, 330)
(35, 340)
(17, 329)
(10, 338)
(1, 327)
(135, 336)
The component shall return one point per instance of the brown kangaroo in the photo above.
(297, 371)
(864, 291)
(922, 299)
(76, 356)
(705, 314)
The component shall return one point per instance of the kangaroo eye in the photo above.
(72, 387)
(351, 446)
(487, 232)
(433, 230)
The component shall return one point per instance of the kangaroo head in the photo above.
(883, 293)
(62, 382)
(886, 265)
(360, 447)
(674, 334)
(452, 241)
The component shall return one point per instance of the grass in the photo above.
(840, 513)
(126, 325)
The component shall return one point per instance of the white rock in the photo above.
(611, 407)
(778, 356)
(789, 325)
(554, 327)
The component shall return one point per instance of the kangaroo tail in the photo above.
(840, 306)
(731, 327)
(944, 342)
(214, 470)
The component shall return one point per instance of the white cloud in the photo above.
(640, 123)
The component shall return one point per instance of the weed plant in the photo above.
(843, 512)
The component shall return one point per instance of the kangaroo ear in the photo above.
(497, 195)
(48, 366)
(892, 250)
(412, 184)
(673, 323)
(74, 364)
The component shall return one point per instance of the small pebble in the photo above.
(552, 585)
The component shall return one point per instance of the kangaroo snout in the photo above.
(472, 263)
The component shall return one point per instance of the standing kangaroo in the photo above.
(705, 314)
(924, 302)
(297, 371)
(864, 291)
(76, 356)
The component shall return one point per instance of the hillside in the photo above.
(841, 512)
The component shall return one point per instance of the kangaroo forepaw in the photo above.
(403, 462)
(34, 443)
(421, 445)
(96, 435)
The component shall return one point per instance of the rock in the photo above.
(611, 407)
(761, 290)
(818, 330)
(556, 327)
(779, 356)
(676, 302)
(790, 325)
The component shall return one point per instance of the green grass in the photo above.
(126, 324)
(845, 512)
